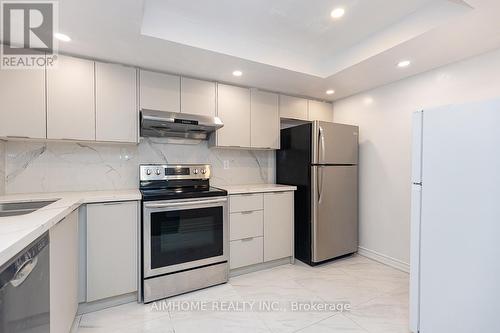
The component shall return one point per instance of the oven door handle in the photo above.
(185, 203)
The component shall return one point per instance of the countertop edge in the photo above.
(257, 188)
(66, 203)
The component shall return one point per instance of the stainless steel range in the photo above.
(185, 234)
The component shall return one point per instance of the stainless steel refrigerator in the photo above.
(321, 159)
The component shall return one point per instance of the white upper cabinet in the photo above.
(71, 100)
(197, 97)
(116, 105)
(320, 111)
(233, 108)
(293, 107)
(265, 120)
(22, 113)
(160, 91)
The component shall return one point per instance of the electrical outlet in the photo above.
(226, 164)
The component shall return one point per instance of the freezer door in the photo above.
(334, 143)
(416, 209)
(416, 166)
(335, 211)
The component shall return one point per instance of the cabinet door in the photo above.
(64, 274)
(265, 120)
(116, 107)
(71, 100)
(111, 249)
(22, 93)
(160, 91)
(293, 107)
(320, 111)
(197, 97)
(278, 225)
(233, 108)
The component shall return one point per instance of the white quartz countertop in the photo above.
(17, 232)
(257, 188)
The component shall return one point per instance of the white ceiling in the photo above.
(290, 46)
(294, 34)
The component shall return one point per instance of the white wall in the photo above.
(384, 117)
(2, 167)
(64, 166)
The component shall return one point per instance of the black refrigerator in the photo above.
(321, 159)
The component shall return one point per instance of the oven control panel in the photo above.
(150, 172)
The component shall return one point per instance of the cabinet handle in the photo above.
(247, 212)
(247, 239)
(17, 137)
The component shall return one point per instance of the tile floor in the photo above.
(377, 294)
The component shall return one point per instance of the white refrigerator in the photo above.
(455, 222)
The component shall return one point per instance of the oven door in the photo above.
(184, 234)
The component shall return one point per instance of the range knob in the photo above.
(195, 171)
(158, 171)
(203, 171)
(148, 172)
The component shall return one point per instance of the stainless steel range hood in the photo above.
(178, 125)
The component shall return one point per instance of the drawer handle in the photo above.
(247, 212)
(111, 203)
(17, 137)
(247, 239)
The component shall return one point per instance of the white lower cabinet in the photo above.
(278, 225)
(246, 252)
(260, 227)
(111, 249)
(64, 274)
(246, 224)
(246, 202)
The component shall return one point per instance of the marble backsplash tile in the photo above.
(64, 166)
(2, 167)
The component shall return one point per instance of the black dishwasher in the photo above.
(24, 290)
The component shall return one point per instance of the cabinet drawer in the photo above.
(246, 252)
(246, 224)
(246, 202)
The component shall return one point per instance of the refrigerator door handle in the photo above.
(320, 182)
(321, 150)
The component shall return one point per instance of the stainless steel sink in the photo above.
(22, 208)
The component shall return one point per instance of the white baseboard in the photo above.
(84, 308)
(261, 266)
(384, 259)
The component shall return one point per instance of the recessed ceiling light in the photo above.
(404, 63)
(62, 37)
(337, 13)
(237, 73)
(330, 92)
